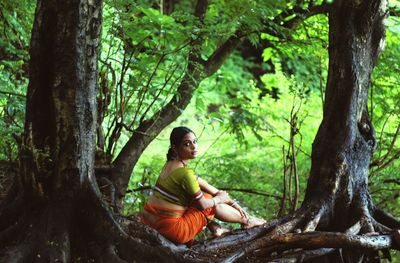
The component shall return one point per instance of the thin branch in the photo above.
(392, 181)
(386, 218)
(166, 81)
(219, 56)
(300, 14)
(12, 93)
(139, 189)
(201, 9)
(211, 145)
(250, 191)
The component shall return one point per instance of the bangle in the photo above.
(214, 203)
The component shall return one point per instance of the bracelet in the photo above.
(214, 203)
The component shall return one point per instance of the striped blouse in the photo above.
(179, 187)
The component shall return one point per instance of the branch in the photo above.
(201, 9)
(391, 181)
(237, 237)
(250, 191)
(313, 240)
(12, 93)
(394, 12)
(302, 255)
(219, 56)
(386, 218)
(300, 14)
(146, 187)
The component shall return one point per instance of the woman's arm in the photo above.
(206, 187)
(221, 197)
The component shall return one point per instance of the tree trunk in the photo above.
(337, 197)
(345, 141)
(46, 218)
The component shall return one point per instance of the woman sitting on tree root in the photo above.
(183, 203)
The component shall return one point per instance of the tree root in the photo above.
(236, 237)
(301, 255)
(18, 254)
(10, 233)
(105, 253)
(386, 219)
(316, 217)
(9, 213)
(312, 240)
(296, 219)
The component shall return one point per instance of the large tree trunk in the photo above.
(54, 212)
(345, 141)
(337, 197)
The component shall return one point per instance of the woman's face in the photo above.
(188, 147)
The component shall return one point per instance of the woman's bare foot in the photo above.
(217, 230)
(221, 231)
(252, 222)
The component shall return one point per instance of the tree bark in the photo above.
(345, 141)
(337, 197)
(46, 217)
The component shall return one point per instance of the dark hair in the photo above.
(175, 139)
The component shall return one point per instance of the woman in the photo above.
(183, 203)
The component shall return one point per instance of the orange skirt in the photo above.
(179, 229)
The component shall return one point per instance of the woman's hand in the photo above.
(223, 197)
(240, 209)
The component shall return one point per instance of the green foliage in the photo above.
(384, 109)
(15, 24)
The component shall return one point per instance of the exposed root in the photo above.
(235, 237)
(296, 219)
(18, 254)
(316, 217)
(312, 240)
(9, 234)
(300, 255)
(386, 219)
(104, 253)
(366, 217)
(380, 227)
(9, 213)
(354, 229)
(104, 226)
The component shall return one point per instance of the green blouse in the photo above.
(179, 187)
